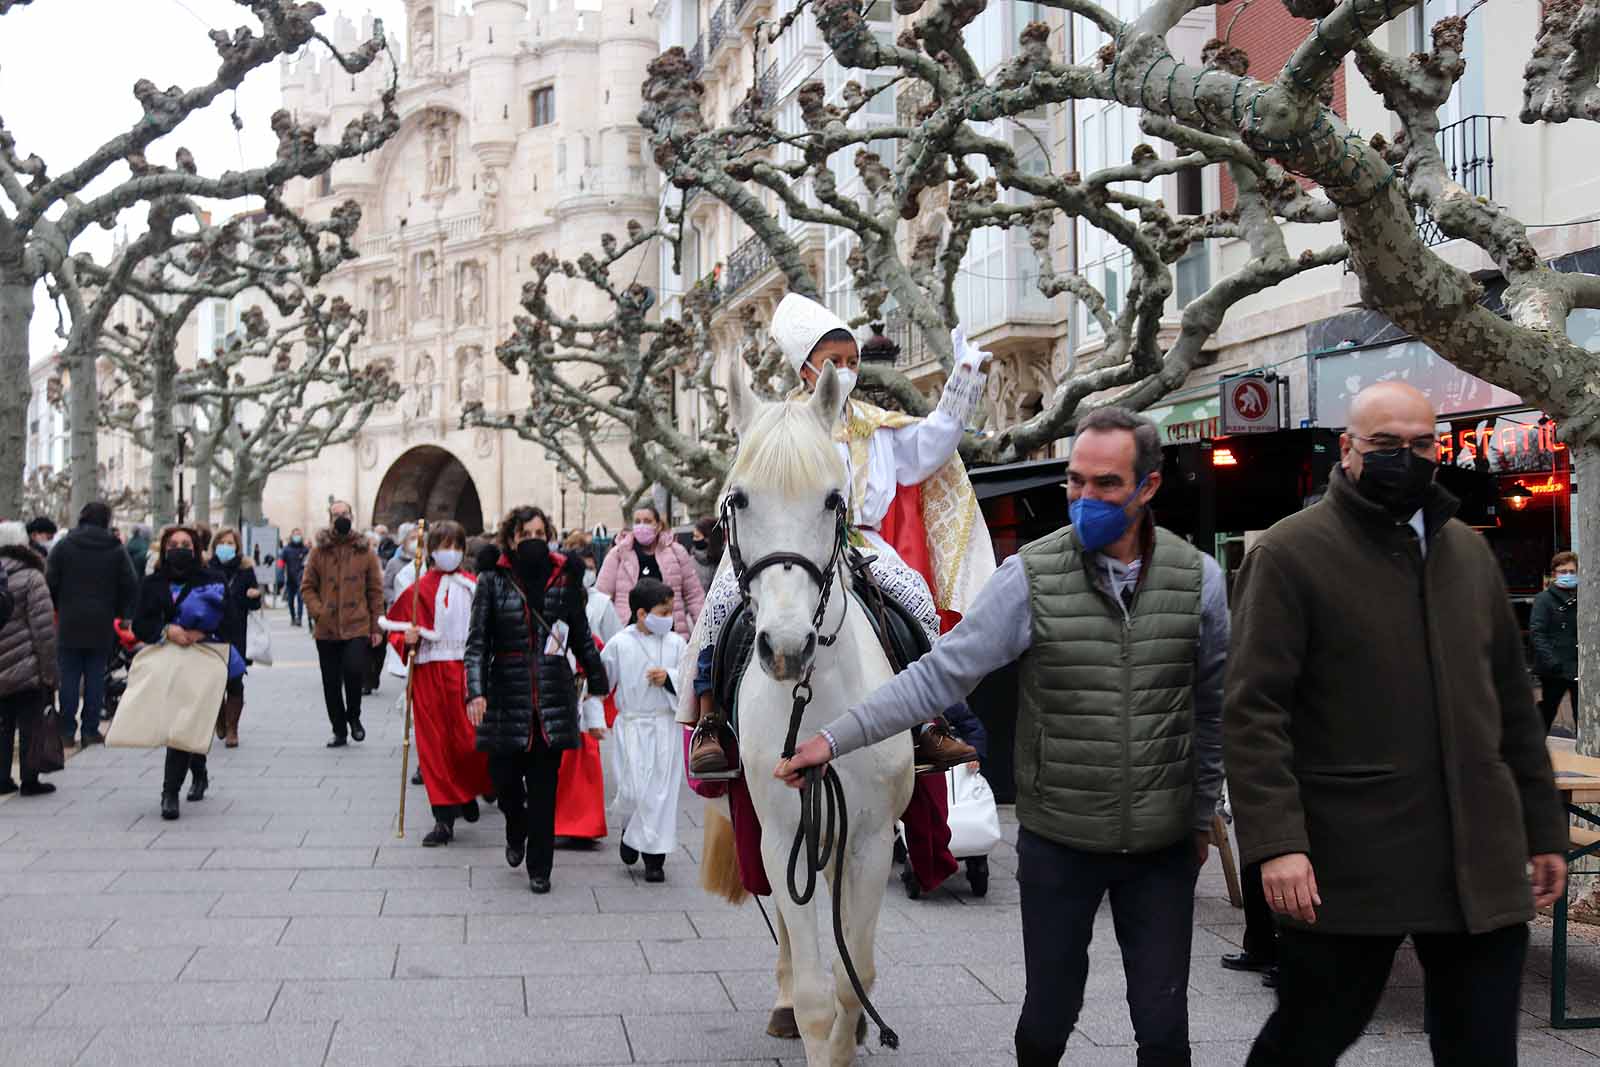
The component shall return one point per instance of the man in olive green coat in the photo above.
(1385, 759)
(1120, 633)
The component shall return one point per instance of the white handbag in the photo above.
(974, 819)
(257, 640)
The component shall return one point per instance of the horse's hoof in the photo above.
(782, 1024)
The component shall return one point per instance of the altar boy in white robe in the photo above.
(649, 746)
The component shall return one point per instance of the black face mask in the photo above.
(533, 556)
(1396, 481)
(180, 561)
(341, 525)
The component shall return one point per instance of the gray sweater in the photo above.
(998, 629)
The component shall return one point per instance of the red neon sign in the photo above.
(1508, 440)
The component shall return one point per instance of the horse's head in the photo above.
(784, 508)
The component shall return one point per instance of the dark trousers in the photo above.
(375, 656)
(179, 765)
(525, 784)
(297, 607)
(344, 669)
(1260, 929)
(21, 714)
(1329, 985)
(1551, 690)
(82, 672)
(1152, 908)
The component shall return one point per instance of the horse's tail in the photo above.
(719, 858)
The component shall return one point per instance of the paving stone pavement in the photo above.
(280, 922)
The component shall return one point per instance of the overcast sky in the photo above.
(67, 69)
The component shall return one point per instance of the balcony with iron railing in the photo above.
(899, 328)
(697, 56)
(718, 29)
(747, 263)
(1467, 148)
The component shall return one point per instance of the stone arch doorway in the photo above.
(428, 481)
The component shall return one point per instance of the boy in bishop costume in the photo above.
(911, 506)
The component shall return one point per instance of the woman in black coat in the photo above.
(525, 703)
(178, 572)
(244, 596)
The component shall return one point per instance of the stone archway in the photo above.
(428, 481)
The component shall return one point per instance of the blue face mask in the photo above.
(226, 553)
(1566, 581)
(1100, 522)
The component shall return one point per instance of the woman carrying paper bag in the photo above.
(176, 683)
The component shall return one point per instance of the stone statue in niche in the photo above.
(422, 46)
(439, 138)
(427, 285)
(469, 293)
(470, 387)
(489, 201)
(385, 322)
(423, 384)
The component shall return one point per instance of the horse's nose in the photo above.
(785, 659)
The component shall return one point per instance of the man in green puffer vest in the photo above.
(1120, 631)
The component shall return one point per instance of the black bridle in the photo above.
(824, 825)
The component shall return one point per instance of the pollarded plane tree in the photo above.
(605, 390)
(945, 169)
(274, 392)
(44, 215)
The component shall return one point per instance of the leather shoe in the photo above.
(36, 788)
(630, 856)
(539, 884)
(515, 854)
(1269, 978)
(655, 875)
(439, 835)
(357, 731)
(338, 742)
(169, 806)
(470, 811)
(1243, 961)
(416, 779)
(938, 749)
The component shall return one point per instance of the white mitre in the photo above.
(799, 323)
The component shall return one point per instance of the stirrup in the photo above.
(730, 747)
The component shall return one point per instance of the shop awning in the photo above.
(1007, 478)
(1185, 421)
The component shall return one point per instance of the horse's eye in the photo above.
(738, 499)
(835, 501)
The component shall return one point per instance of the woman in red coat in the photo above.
(429, 621)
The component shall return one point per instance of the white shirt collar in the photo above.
(1418, 524)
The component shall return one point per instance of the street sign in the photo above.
(1249, 405)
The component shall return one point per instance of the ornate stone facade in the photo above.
(507, 149)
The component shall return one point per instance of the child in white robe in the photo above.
(648, 742)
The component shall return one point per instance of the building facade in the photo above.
(519, 135)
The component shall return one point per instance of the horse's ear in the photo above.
(741, 401)
(828, 398)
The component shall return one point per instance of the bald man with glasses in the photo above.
(1385, 758)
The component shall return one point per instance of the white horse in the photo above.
(786, 492)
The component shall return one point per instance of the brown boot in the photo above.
(232, 709)
(706, 752)
(938, 749)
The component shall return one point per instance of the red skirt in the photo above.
(453, 770)
(581, 789)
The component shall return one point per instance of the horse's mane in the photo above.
(787, 450)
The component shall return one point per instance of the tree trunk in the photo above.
(205, 450)
(163, 438)
(250, 505)
(16, 312)
(83, 429)
(1586, 474)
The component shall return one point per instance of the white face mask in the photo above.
(847, 381)
(659, 625)
(588, 578)
(448, 559)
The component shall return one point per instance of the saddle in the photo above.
(903, 639)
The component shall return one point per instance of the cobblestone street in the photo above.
(280, 922)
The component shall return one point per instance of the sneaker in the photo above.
(706, 754)
(439, 835)
(938, 749)
(37, 789)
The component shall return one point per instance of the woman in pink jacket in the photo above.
(650, 550)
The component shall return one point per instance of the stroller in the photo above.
(122, 650)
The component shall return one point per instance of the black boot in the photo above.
(169, 806)
(655, 868)
(439, 835)
(197, 789)
(978, 875)
(630, 856)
